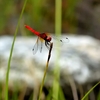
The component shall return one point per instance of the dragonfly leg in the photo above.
(47, 44)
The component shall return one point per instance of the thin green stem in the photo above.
(90, 91)
(46, 68)
(11, 51)
(58, 27)
(58, 17)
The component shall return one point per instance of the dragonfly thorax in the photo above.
(45, 37)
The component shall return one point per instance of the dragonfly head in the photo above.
(48, 39)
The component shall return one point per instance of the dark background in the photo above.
(78, 16)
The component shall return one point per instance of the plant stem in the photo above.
(11, 51)
(58, 27)
(46, 68)
(90, 91)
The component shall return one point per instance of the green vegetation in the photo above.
(39, 14)
(11, 51)
(32, 14)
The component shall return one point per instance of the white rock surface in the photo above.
(80, 58)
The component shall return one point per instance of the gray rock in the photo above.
(79, 58)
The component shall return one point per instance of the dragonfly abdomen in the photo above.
(33, 31)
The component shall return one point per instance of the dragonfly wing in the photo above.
(41, 44)
(60, 39)
(35, 48)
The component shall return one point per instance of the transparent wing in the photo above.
(35, 48)
(41, 44)
(61, 39)
(38, 45)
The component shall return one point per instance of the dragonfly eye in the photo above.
(48, 39)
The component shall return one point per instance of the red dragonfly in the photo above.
(42, 37)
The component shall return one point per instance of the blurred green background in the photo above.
(78, 16)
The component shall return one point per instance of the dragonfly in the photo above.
(42, 37)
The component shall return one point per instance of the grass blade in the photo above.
(90, 91)
(11, 51)
(46, 68)
(58, 25)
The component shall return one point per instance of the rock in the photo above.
(79, 58)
